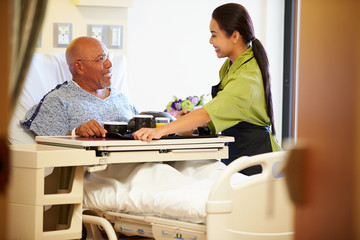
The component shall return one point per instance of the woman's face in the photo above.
(221, 42)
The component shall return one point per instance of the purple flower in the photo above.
(176, 105)
(193, 99)
(191, 102)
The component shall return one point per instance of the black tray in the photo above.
(129, 136)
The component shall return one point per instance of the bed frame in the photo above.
(256, 209)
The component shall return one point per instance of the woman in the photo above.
(242, 102)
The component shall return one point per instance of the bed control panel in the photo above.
(169, 232)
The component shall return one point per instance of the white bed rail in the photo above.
(256, 209)
(100, 221)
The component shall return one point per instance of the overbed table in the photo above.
(46, 186)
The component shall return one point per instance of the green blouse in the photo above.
(242, 97)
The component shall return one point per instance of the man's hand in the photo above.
(91, 128)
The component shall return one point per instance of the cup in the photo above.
(143, 121)
(159, 121)
(116, 127)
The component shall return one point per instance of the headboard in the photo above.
(46, 71)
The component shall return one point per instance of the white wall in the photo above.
(169, 51)
(64, 11)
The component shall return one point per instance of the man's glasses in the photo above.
(100, 59)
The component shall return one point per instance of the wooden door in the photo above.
(329, 118)
(5, 29)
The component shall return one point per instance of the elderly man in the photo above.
(81, 105)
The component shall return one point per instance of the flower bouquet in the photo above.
(190, 103)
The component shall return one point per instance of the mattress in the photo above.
(174, 190)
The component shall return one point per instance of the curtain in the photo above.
(27, 17)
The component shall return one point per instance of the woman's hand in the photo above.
(182, 113)
(147, 134)
(184, 123)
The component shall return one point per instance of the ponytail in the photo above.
(262, 59)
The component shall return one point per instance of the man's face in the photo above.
(97, 67)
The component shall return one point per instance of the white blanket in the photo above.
(176, 190)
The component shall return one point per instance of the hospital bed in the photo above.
(46, 187)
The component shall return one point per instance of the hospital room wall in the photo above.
(167, 45)
(64, 11)
(169, 51)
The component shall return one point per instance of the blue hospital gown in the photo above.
(69, 106)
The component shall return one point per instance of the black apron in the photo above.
(250, 140)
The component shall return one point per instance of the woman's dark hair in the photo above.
(234, 17)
